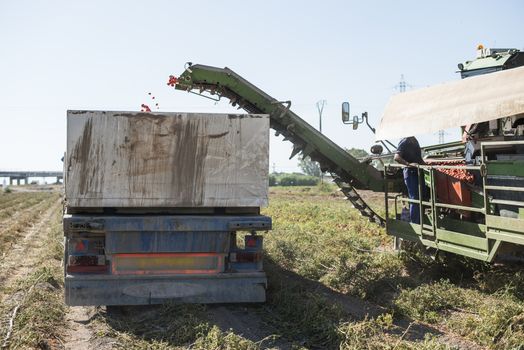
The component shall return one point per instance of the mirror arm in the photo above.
(385, 146)
(365, 117)
(392, 145)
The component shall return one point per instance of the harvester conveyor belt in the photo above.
(348, 172)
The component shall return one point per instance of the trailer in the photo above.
(165, 207)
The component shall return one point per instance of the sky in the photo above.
(107, 55)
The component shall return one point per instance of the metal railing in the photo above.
(485, 161)
(433, 204)
(479, 236)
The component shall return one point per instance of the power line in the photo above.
(441, 136)
(402, 84)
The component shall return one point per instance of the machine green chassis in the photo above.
(476, 240)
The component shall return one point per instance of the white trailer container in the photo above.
(155, 202)
(134, 160)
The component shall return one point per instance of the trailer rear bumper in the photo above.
(83, 290)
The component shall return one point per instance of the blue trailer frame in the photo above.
(152, 259)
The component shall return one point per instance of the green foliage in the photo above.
(27, 207)
(41, 315)
(297, 313)
(272, 180)
(286, 179)
(365, 275)
(309, 167)
(168, 324)
(214, 338)
(326, 187)
(495, 320)
(428, 301)
(376, 334)
(507, 280)
(327, 241)
(42, 310)
(7, 189)
(357, 152)
(298, 180)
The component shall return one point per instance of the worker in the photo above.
(409, 154)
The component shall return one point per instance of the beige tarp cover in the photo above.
(472, 100)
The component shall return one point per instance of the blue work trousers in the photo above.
(411, 181)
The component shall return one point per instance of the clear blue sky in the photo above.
(59, 55)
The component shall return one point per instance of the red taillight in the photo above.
(247, 257)
(251, 241)
(88, 269)
(80, 246)
(86, 264)
(86, 260)
(86, 255)
(86, 246)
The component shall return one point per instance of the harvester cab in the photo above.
(491, 60)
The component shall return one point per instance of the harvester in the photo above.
(474, 188)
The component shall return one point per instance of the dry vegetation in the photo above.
(335, 283)
(32, 310)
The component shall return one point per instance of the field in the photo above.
(335, 283)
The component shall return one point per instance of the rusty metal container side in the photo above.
(159, 160)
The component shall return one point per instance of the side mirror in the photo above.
(377, 149)
(345, 112)
(355, 122)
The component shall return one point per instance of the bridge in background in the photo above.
(25, 175)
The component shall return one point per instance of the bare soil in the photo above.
(79, 334)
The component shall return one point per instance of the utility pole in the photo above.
(320, 108)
